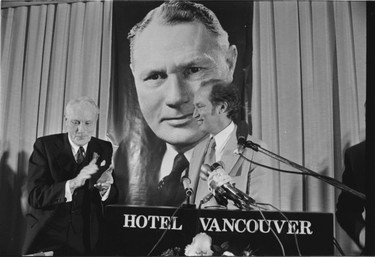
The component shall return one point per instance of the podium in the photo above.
(134, 231)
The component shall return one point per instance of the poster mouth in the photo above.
(179, 121)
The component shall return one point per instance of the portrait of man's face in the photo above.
(169, 64)
(156, 75)
(158, 65)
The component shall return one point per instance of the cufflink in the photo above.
(102, 163)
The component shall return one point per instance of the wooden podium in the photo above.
(134, 230)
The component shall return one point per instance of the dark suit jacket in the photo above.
(139, 174)
(51, 164)
(349, 208)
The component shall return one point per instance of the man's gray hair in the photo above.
(82, 99)
(177, 11)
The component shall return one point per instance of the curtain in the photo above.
(308, 100)
(49, 54)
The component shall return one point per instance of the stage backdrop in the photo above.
(305, 77)
(138, 148)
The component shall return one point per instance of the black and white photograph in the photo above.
(187, 128)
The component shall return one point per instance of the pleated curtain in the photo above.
(50, 53)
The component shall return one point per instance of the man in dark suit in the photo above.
(349, 208)
(216, 104)
(69, 180)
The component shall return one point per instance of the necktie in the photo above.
(211, 152)
(80, 155)
(211, 159)
(171, 191)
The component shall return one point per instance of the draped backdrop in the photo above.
(302, 74)
(50, 53)
(309, 81)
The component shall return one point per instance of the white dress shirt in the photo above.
(68, 193)
(221, 139)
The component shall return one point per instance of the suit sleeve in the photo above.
(260, 180)
(44, 192)
(349, 208)
(113, 192)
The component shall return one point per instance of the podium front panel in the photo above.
(134, 231)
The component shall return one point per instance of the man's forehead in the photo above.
(156, 26)
(205, 90)
(80, 109)
(202, 93)
(177, 36)
(179, 44)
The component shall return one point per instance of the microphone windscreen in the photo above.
(241, 133)
(215, 165)
(242, 130)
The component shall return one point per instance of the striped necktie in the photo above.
(211, 152)
(80, 155)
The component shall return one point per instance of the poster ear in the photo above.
(231, 58)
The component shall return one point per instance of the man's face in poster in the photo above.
(169, 63)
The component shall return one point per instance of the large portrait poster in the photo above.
(139, 150)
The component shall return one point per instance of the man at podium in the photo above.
(216, 105)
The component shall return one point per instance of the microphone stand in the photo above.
(331, 181)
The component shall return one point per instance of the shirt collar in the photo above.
(168, 158)
(171, 151)
(222, 137)
(76, 147)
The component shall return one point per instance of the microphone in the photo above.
(204, 174)
(219, 183)
(185, 180)
(207, 198)
(241, 133)
(207, 169)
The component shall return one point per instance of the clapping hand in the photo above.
(105, 181)
(85, 174)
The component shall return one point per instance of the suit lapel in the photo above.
(229, 157)
(92, 148)
(197, 160)
(147, 189)
(65, 158)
